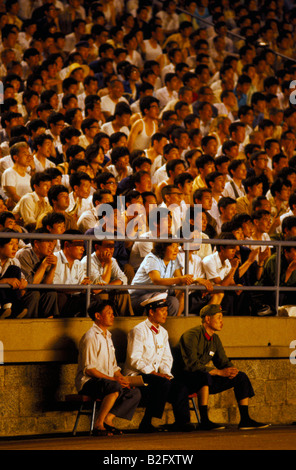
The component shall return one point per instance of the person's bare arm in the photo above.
(11, 193)
(135, 131)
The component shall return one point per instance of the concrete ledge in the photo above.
(27, 341)
(39, 367)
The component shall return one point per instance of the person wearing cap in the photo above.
(161, 268)
(198, 347)
(149, 354)
(98, 374)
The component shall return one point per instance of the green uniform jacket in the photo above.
(196, 350)
(268, 277)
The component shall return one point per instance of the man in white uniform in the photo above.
(148, 354)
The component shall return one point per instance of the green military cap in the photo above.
(211, 309)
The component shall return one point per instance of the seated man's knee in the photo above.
(173, 305)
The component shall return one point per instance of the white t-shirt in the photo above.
(195, 266)
(136, 59)
(152, 53)
(214, 268)
(108, 105)
(230, 192)
(164, 96)
(108, 129)
(11, 177)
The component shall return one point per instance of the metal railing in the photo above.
(277, 288)
(235, 35)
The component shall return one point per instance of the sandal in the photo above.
(113, 430)
(102, 432)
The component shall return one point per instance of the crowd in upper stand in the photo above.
(152, 108)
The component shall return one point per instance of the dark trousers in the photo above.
(127, 401)
(10, 295)
(41, 304)
(161, 390)
(241, 383)
(269, 298)
(72, 305)
(197, 301)
(234, 304)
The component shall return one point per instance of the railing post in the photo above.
(278, 277)
(88, 270)
(186, 293)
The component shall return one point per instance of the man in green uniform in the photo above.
(196, 348)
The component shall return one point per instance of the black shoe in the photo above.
(184, 427)
(251, 424)
(147, 428)
(210, 426)
(264, 310)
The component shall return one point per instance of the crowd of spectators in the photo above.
(151, 108)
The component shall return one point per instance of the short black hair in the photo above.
(97, 306)
(225, 236)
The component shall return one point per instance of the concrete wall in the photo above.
(39, 366)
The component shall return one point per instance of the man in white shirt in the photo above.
(38, 265)
(290, 212)
(174, 56)
(120, 167)
(90, 128)
(104, 270)
(43, 151)
(160, 226)
(238, 172)
(216, 182)
(69, 270)
(120, 121)
(56, 123)
(170, 152)
(11, 298)
(228, 105)
(169, 18)
(226, 211)
(16, 181)
(149, 355)
(220, 268)
(32, 205)
(133, 56)
(173, 200)
(80, 183)
(114, 96)
(89, 218)
(78, 28)
(262, 221)
(170, 91)
(98, 374)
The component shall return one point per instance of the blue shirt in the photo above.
(152, 263)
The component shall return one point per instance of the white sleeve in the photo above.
(135, 352)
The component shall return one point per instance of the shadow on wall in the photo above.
(58, 376)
